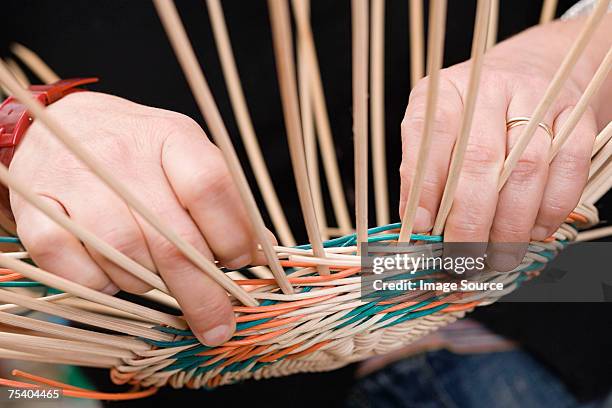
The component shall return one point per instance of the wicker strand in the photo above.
(281, 36)
(247, 131)
(583, 103)
(417, 43)
(205, 101)
(323, 127)
(360, 24)
(469, 106)
(305, 69)
(377, 111)
(327, 322)
(435, 50)
(34, 63)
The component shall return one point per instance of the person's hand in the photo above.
(169, 163)
(538, 196)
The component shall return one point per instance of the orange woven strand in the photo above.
(11, 277)
(69, 391)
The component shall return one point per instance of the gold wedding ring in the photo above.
(523, 120)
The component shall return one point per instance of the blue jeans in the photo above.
(444, 379)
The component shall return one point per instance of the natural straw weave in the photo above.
(305, 312)
(326, 324)
(336, 328)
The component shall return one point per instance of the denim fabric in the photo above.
(443, 379)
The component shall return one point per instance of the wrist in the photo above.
(590, 61)
(568, 31)
(544, 47)
(15, 120)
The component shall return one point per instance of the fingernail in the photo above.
(239, 262)
(460, 251)
(503, 261)
(423, 220)
(110, 289)
(217, 335)
(539, 233)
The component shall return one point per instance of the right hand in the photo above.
(169, 163)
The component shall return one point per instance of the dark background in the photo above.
(123, 43)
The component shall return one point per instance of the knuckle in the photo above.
(553, 214)
(444, 123)
(510, 230)
(470, 225)
(97, 281)
(47, 246)
(134, 286)
(573, 166)
(176, 126)
(213, 310)
(468, 229)
(433, 184)
(528, 74)
(124, 239)
(412, 125)
(174, 123)
(570, 94)
(183, 122)
(404, 127)
(530, 166)
(537, 82)
(406, 171)
(211, 183)
(44, 243)
(237, 252)
(494, 79)
(589, 116)
(419, 90)
(481, 158)
(167, 253)
(557, 206)
(447, 112)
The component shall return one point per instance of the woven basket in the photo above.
(327, 322)
(330, 325)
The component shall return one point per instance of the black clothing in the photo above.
(124, 44)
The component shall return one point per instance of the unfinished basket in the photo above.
(304, 312)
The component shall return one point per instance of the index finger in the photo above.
(205, 304)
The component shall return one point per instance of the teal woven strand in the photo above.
(416, 315)
(18, 284)
(188, 361)
(363, 316)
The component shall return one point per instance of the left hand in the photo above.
(538, 196)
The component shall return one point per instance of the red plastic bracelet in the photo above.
(15, 120)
